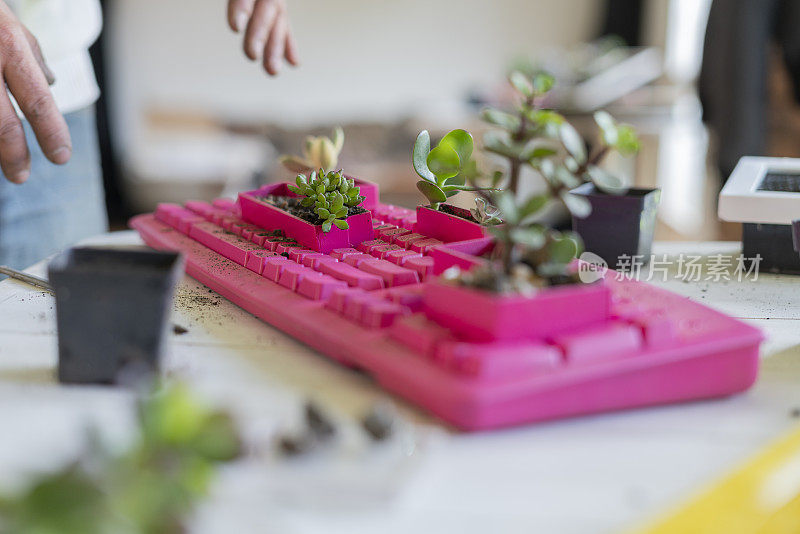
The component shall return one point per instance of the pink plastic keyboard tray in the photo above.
(363, 306)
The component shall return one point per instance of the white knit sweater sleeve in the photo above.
(65, 30)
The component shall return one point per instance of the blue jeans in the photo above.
(58, 205)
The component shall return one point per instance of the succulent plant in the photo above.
(445, 169)
(318, 153)
(528, 251)
(331, 194)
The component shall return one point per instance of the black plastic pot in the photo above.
(619, 225)
(774, 244)
(111, 308)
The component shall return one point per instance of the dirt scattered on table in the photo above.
(179, 330)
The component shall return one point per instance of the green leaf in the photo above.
(627, 140)
(532, 236)
(323, 213)
(338, 138)
(422, 147)
(508, 209)
(577, 205)
(295, 190)
(432, 192)
(496, 143)
(341, 214)
(521, 83)
(543, 82)
(461, 142)
(533, 205)
(538, 152)
(326, 226)
(605, 181)
(301, 180)
(443, 161)
(501, 118)
(341, 224)
(608, 127)
(572, 142)
(562, 250)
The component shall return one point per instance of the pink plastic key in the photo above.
(292, 274)
(420, 334)
(424, 245)
(354, 277)
(381, 314)
(423, 265)
(601, 343)
(297, 254)
(392, 274)
(406, 240)
(390, 233)
(319, 287)
(380, 252)
(339, 297)
(499, 361)
(231, 246)
(354, 306)
(356, 259)
(341, 253)
(401, 256)
(285, 248)
(255, 260)
(367, 246)
(316, 260)
(274, 266)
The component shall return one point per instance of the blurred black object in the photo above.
(623, 18)
(733, 79)
(116, 206)
(111, 308)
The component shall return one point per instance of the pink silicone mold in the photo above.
(445, 227)
(265, 215)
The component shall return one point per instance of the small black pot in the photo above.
(619, 225)
(111, 308)
(774, 244)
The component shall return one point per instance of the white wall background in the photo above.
(362, 59)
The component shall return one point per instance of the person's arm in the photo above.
(267, 35)
(27, 78)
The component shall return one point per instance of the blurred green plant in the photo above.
(318, 153)
(331, 194)
(149, 488)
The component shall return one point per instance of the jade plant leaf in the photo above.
(443, 161)
(562, 250)
(627, 140)
(432, 192)
(521, 83)
(422, 147)
(572, 142)
(532, 236)
(500, 118)
(496, 143)
(533, 205)
(608, 127)
(504, 201)
(577, 205)
(461, 142)
(605, 181)
(543, 82)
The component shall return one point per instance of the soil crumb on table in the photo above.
(178, 330)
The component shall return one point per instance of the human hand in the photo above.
(27, 78)
(267, 33)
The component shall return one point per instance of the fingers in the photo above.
(28, 84)
(267, 35)
(37, 53)
(265, 13)
(15, 161)
(239, 12)
(273, 53)
(291, 50)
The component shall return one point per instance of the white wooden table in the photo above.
(593, 474)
